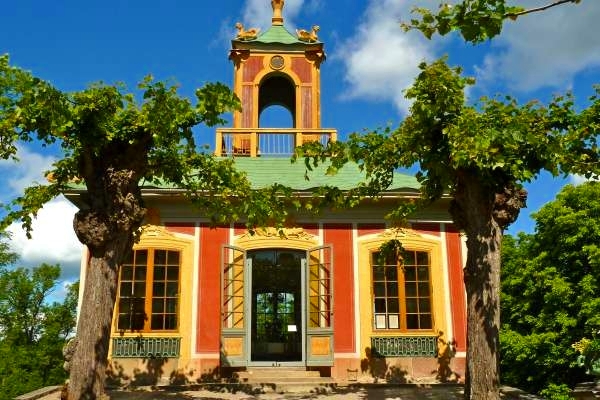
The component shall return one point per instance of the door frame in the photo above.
(250, 300)
(319, 338)
(316, 342)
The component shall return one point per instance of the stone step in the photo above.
(279, 374)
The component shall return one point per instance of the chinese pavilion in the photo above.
(196, 301)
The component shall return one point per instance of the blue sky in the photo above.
(370, 61)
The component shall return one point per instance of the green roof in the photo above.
(277, 34)
(263, 172)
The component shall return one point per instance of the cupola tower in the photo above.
(275, 67)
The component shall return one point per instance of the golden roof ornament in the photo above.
(307, 36)
(243, 34)
(277, 9)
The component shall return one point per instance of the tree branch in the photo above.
(514, 15)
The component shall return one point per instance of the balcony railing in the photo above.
(267, 142)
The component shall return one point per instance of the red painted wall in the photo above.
(302, 68)
(340, 237)
(306, 101)
(247, 106)
(457, 288)
(252, 67)
(185, 228)
(427, 228)
(208, 328)
(368, 229)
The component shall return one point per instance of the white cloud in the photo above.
(545, 49)
(380, 59)
(579, 179)
(53, 239)
(29, 169)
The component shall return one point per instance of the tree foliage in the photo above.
(33, 330)
(551, 290)
(480, 155)
(476, 20)
(7, 257)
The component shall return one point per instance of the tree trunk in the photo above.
(473, 211)
(89, 363)
(107, 228)
(482, 283)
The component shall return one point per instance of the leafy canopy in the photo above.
(476, 20)
(551, 290)
(33, 329)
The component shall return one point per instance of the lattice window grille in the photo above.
(404, 346)
(146, 347)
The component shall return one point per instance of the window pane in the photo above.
(173, 273)
(126, 272)
(410, 274)
(138, 316)
(160, 257)
(172, 289)
(392, 289)
(411, 306)
(423, 289)
(171, 305)
(391, 273)
(171, 321)
(424, 306)
(158, 289)
(379, 289)
(123, 322)
(159, 273)
(141, 257)
(423, 273)
(378, 273)
(126, 289)
(158, 306)
(140, 273)
(380, 321)
(412, 321)
(393, 306)
(379, 305)
(139, 289)
(157, 321)
(393, 321)
(411, 289)
(124, 306)
(137, 305)
(422, 258)
(173, 258)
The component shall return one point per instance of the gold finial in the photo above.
(277, 7)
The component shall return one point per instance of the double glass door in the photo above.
(276, 309)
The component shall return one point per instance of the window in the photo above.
(402, 293)
(149, 291)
